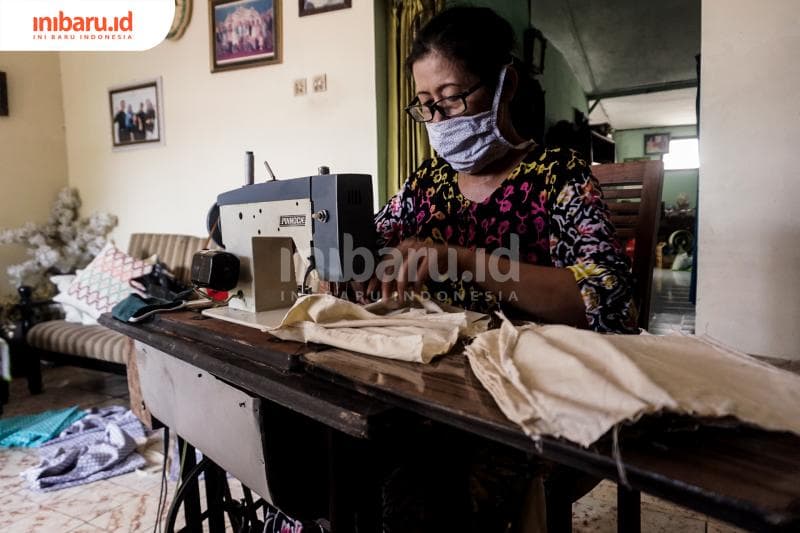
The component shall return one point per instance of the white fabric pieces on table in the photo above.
(416, 334)
(564, 382)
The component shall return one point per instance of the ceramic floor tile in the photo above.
(715, 526)
(86, 528)
(139, 481)
(654, 521)
(138, 513)
(597, 513)
(591, 515)
(87, 502)
(18, 514)
(605, 491)
(13, 462)
(53, 400)
(664, 506)
(44, 521)
(63, 376)
(119, 400)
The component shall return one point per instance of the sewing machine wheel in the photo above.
(213, 225)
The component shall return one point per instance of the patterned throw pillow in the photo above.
(106, 280)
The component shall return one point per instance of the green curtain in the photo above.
(407, 142)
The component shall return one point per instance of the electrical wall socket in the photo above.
(320, 83)
(300, 87)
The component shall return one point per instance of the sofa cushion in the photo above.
(176, 251)
(105, 281)
(96, 342)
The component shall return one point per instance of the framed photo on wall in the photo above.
(136, 114)
(3, 95)
(312, 7)
(244, 33)
(656, 143)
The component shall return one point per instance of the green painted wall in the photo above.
(563, 93)
(630, 144)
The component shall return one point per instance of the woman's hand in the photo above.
(412, 263)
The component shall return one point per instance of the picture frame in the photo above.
(314, 7)
(136, 114)
(656, 143)
(3, 95)
(244, 33)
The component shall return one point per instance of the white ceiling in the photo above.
(669, 108)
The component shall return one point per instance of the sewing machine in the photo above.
(284, 231)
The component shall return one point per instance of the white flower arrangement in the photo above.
(61, 245)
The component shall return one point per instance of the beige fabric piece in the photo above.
(564, 382)
(416, 334)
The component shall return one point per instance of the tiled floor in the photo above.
(670, 308)
(129, 502)
(125, 503)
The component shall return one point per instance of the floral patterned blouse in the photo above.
(550, 201)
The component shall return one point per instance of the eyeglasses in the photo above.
(450, 106)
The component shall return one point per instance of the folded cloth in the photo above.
(100, 446)
(29, 431)
(415, 334)
(134, 307)
(576, 384)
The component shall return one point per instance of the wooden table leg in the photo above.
(629, 513)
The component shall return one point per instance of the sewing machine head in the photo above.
(281, 230)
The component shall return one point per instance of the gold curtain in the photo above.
(407, 142)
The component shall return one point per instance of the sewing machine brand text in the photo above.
(292, 220)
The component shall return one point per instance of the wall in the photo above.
(563, 93)
(749, 258)
(32, 150)
(630, 143)
(212, 119)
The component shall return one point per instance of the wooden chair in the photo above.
(633, 194)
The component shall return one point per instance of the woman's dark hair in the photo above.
(482, 42)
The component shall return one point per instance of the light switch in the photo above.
(300, 87)
(320, 83)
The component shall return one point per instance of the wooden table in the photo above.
(748, 477)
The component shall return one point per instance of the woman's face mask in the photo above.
(470, 143)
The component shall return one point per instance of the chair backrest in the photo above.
(175, 251)
(633, 194)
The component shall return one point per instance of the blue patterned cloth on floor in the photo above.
(101, 445)
(30, 431)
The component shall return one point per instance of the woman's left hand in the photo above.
(413, 262)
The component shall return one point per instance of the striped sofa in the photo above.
(96, 346)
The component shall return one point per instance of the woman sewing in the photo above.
(488, 188)
(491, 189)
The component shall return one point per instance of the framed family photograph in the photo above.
(244, 33)
(3, 95)
(656, 143)
(136, 114)
(312, 7)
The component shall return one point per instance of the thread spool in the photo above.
(249, 168)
